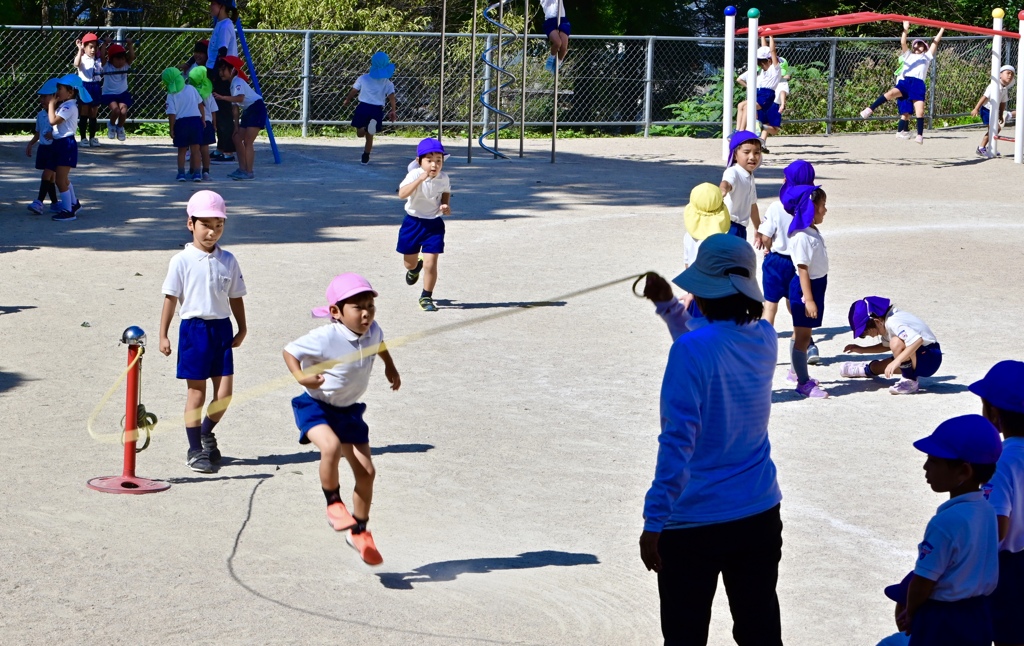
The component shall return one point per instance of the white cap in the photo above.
(764, 53)
(1007, 68)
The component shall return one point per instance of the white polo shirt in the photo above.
(68, 111)
(211, 106)
(1006, 492)
(960, 550)
(346, 382)
(425, 202)
(204, 282)
(769, 78)
(44, 128)
(743, 194)
(1001, 93)
(806, 247)
(553, 8)
(775, 224)
(916, 66)
(184, 104)
(243, 89)
(906, 327)
(89, 68)
(223, 36)
(373, 91)
(115, 79)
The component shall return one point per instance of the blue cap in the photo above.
(50, 87)
(736, 140)
(797, 173)
(898, 591)
(430, 145)
(1003, 386)
(970, 438)
(72, 80)
(862, 311)
(381, 66)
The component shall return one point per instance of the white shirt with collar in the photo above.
(916, 66)
(553, 8)
(44, 128)
(807, 247)
(743, 195)
(775, 224)
(184, 104)
(243, 89)
(204, 282)
(960, 550)
(425, 201)
(68, 111)
(373, 91)
(906, 327)
(769, 78)
(346, 382)
(1005, 492)
(89, 69)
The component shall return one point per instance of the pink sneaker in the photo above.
(792, 378)
(904, 387)
(338, 517)
(812, 390)
(866, 112)
(854, 369)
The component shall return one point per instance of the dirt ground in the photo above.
(513, 462)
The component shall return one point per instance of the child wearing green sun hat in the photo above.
(186, 116)
(198, 78)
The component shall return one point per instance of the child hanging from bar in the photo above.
(558, 30)
(767, 81)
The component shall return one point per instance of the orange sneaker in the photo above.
(338, 517)
(363, 543)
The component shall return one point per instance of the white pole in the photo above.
(752, 16)
(1018, 129)
(994, 86)
(729, 78)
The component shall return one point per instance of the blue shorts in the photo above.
(777, 273)
(255, 116)
(929, 358)
(95, 90)
(44, 155)
(64, 153)
(209, 134)
(347, 423)
(903, 106)
(912, 89)
(124, 97)
(188, 132)
(768, 114)
(738, 230)
(204, 349)
(796, 301)
(552, 24)
(365, 112)
(967, 622)
(1007, 618)
(983, 113)
(421, 234)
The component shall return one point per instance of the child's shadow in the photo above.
(450, 570)
(929, 385)
(455, 305)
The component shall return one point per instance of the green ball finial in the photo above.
(753, 13)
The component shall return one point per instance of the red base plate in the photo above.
(123, 484)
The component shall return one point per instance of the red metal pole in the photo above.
(131, 414)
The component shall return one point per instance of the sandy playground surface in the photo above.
(513, 463)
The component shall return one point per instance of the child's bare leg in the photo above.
(770, 309)
(222, 387)
(250, 135)
(114, 113)
(181, 157)
(368, 146)
(195, 160)
(782, 102)
(194, 402)
(358, 456)
(741, 115)
(879, 365)
(562, 42)
(124, 114)
(429, 271)
(329, 445)
(205, 150)
(360, 132)
(61, 178)
(801, 338)
(49, 176)
(554, 41)
(410, 260)
(238, 140)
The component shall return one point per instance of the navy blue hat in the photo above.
(898, 591)
(1003, 386)
(736, 140)
(970, 438)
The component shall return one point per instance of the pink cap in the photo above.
(206, 204)
(342, 286)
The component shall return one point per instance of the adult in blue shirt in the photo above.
(713, 507)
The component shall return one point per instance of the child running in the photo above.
(916, 61)
(737, 185)
(374, 89)
(998, 94)
(62, 112)
(115, 87)
(253, 114)
(807, 289)
(186, 116)
(207, 283)
(1002, 402)
(427, 192)
(915, 350)
(198, 79)
(558, 30)
(44, 154)
(333, 364)
(958, 564)
(767, 82)
(88, 62)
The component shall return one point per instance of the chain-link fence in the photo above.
(635, 84)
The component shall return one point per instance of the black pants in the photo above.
(225, 115)
(746, 553)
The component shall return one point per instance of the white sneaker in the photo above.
(372, 127)
(120, 133)
(854, 369)
(904, 387)
(903, 135)
(813, 358)
(920, 139)
(111, 131)
(94, 142)
(866, 112)
(36, 207)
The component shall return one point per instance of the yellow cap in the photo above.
(706, 214)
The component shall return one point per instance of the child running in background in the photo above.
(737, 184)
(958, 563)
(767, 82)
(253, 114)
(916, 351)
(427, 192)
(374, 89)
(207, 283)
(88, 62)
(115, 87)
(558, 30)
(807, 289)
(1000, 94)
(1002, 402)
(186, 116)
(62, 112)
(198, 79)
(44, 154)
(916, 61)
(333, 364)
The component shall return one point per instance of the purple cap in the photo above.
(1003, 386)
(736, 140)
(970, 438)
(797, 173)
(898, 591)
(430, 145)
(342, 286)
(797, 202)
(862, 311)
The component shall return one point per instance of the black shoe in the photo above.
(209, 441)
(64, 216)
(365, 159)
(765, 150)
(413, 275)
(199, 461)
(75, 207)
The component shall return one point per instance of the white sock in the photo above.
(71, 190)
(65, 200)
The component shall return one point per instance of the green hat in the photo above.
(172, 80)
(198, 79)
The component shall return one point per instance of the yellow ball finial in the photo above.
(998, 13)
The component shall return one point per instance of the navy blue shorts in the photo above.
(209, 134)
(796, 301)
(912, 89)
(255, 116)
(64, 153)
(1007, 618)
(44, 155)
(903, 106)
(124, 97)
(967, 622)
(347, 423)
(421, 234)
(365, 112)
(188, 132)
(551, 24)
(983, 113)
(738, 230)
(95, 90)
(929, 358)
(768, 114)
(777, 272)
(204, 349)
